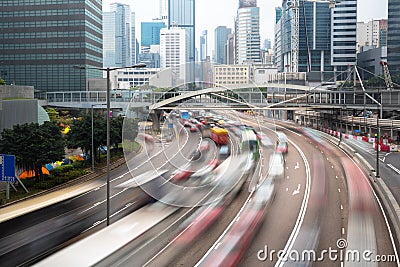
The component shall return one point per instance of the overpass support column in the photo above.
(155, 117)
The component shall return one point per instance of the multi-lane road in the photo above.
(321, 207)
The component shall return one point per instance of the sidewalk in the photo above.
(59, 193)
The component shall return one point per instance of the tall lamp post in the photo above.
(141, 65)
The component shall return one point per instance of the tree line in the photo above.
(35, 145)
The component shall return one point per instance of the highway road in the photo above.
(29, 237)
(322, 202)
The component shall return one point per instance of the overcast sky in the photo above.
(213, 13)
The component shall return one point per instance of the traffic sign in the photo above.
(7, 168)
(170, 125)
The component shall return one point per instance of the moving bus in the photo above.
(220, 136)
(250, 143)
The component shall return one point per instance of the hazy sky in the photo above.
(213, 13)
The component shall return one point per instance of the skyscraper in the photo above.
(174, 53)
(326, 37)
(344, 31)
(221, 38)
(134, 42)
(203, 46)
(247, 3)
(150, 32)
(247, 32)
(41, 41)
(181, 13)
(164, 11)
(117, 36)
(393, 41)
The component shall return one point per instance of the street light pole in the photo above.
(140, 65)
(92, 154)
(378, 139)
(108, 146)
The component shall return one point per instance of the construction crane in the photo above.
(294, 4)
(386, 75)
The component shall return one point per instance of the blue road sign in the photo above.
(170, 126)
(7, 168)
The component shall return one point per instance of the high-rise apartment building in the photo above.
(221, 38)
(41, 41)
(371, 34)
(393, 50)
(247, 32)
(117, 35)
(174, 52)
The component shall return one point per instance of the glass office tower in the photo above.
(247, 26)
(41, 41)
(181, 13)
(150, 34)
(117, 36)
(221, 38)
(393, 42)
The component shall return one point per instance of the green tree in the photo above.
(53, 114)
(2, 82)
(80, 135)
(116, 130)
(33, 145)
(130, 129)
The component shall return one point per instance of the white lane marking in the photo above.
(337, 177)
(338, 190)
(297, 165)
(342, 230)
(297, 191)
(287, 189)
(289, 245)
(393, 168)
(341, 206)
(384, 158)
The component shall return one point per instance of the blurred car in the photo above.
(204, 145)
(181, 174)
(205, 174)
(282, 147)
(276, 165)
(265, 141)
(281, 137)
(193, 128)
(224, 153)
